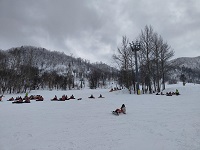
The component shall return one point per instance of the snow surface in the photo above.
(152, 122)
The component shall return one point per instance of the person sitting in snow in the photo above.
(177, 92)
(162, 93)
(168, 94)
(117, 111)
(62, 98)
(66, 98)
(27, 100)
(100, 96)
(11, 99)
(1, 97)
(26, 95)
(32, 97)
(72, 97)
(18, 100)
(40, 98)
(111, 90)
(55, 98)
(123, 109)
(91, 96)
(157, 93)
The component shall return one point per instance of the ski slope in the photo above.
(152, 122)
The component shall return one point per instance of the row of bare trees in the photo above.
(153, 58)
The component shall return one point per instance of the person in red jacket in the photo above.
(121, 110)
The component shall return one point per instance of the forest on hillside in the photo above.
(28, 68)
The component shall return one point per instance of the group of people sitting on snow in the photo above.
(26, 99)
(19, 99)
(114, 89)
(36, 97)
(63, 98)
(120, 110)
(100, 96)
(161, 93)
(170, 93)
(173, 93)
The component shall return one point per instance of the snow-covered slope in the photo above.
(152, 122)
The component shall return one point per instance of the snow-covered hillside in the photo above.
(187, 62)
(47, 61)
(189, 66)
(152, 122)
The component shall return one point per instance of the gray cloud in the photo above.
(94, 29)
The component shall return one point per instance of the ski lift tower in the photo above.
(136, 47)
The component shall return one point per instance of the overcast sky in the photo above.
(93, 29)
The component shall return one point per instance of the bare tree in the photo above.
(153, 57)
(166, 54)
(146, 41)
(124, 59)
